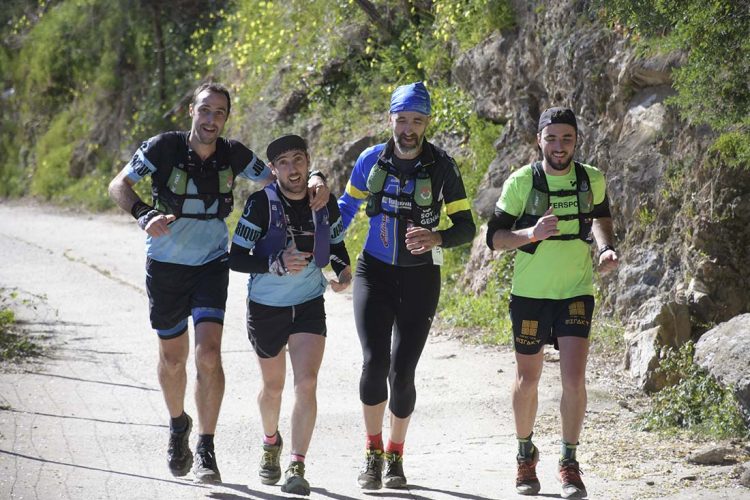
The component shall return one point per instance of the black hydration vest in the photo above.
(539, 201)
(416, 206)
(213, 184)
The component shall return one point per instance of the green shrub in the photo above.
(695, 400)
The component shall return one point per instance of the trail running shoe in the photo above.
(205, 469)
(270, 468)
(570, 477)
(526, 481)
(179, 456)
(294, 479)
(371, 476)
(394, 470)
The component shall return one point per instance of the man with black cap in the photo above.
(405, 182)
(283, 245)
(548, 210)
(192, 177)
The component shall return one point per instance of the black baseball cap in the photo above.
(557, 115)
(283, 144)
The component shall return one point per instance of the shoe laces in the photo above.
(205, 458)
(373, 461)
(570, 473)
(296, 469)
(526, 472)
(269, 457)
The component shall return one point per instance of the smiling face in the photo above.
(558, 143)
(209, 113)
(291, 169)
(408, 128)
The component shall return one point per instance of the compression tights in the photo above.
(399, 301)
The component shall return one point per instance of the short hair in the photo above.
(213, 87)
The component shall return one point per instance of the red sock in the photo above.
(375, 441)
(395, 447)
(294, 457)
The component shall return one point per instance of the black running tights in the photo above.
(393, 311)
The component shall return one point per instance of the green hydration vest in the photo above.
(416, 206)
(539, 201)
(213, 184)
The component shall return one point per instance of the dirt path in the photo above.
(88, 421)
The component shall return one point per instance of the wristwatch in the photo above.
(604, 248)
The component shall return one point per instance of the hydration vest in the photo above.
(539, 201)
(274, 240)
(213, 184)
(416, 206)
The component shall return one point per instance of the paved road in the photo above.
(89, 422)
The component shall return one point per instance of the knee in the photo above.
(272, 389)
(574, 382)
(306, 385)
(207, 359)
(171, 362)
(527, 381)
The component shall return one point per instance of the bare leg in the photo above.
(209, 387)
(306, 355)
(273, 371)
(173, 355)
(373, 415)
(525, 391)
(399, 426)
(573, 356)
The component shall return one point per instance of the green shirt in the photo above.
(559, 269)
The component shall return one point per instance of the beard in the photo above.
(293, 188)
(407, 145)
(558, 164)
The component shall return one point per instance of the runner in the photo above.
(283, 245)
(405, 181)
(187, 272)
(548, 210)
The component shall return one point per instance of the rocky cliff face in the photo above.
(682, 221)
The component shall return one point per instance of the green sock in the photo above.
(526, 447)
(568, 451)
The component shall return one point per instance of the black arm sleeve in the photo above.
(602, 209)
(339, 254)
(462, 231)
(499, 220)
(241, 260)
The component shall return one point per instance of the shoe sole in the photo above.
(529, 489)
(184, 470)
(574, 494)
(394, 483)
(207, 478)
(270, 480)
(296, 490)
(370, 485)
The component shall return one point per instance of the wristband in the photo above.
(318, 173)
(531, 236)
(139, 209)
(604, 248)
(144, 219)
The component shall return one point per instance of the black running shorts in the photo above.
(176, 291)
(269, 327)
(542, 321)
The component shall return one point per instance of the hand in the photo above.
(608, 261)
(294, 260)
(545, 227)
(420, 240)
(318, 192)
(156, 224)
(345, 278)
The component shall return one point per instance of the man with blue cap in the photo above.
(405, 183)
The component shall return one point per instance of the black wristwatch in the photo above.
(604, 248)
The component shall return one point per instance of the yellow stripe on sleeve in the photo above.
(457, 206)
(354, 192)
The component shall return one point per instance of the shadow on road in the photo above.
(119, 422)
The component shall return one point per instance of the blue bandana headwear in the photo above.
(411, 97)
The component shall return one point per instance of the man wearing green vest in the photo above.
(548, 211)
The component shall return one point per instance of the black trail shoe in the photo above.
(179, 456)
(294, 480)
(270, 469)
(205, 469)
(371, 476)
(394, 471)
